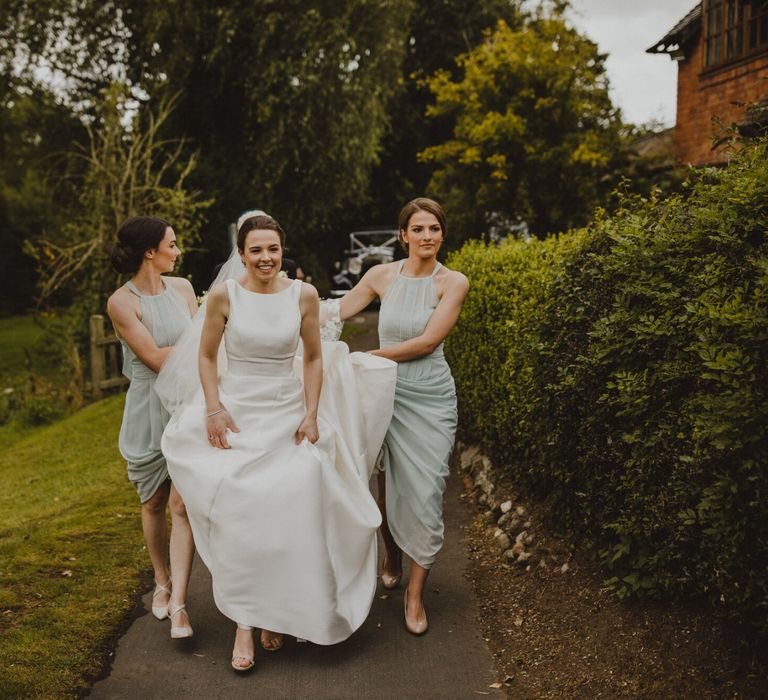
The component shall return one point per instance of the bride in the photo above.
(273, 463)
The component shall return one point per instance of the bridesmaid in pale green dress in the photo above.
(149, 313)
(420, 303)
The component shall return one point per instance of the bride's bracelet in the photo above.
(209, 415)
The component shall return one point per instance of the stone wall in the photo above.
(515, 529)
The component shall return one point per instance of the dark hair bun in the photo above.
(135, 237)
(124, 260)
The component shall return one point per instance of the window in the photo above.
(733, 29)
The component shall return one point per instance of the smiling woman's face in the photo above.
(262, 253)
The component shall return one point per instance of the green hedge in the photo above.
(622, 373)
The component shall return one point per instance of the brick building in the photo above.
(721, 50)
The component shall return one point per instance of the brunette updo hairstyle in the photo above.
(419, 204)
(135, 237)
(256, 223)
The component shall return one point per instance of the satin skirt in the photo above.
(288, 531)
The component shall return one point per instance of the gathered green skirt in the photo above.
(415, 456)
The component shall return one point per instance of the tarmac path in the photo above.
(380, 661)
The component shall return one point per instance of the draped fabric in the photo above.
(420, 438)
(287, 531)
(166, 316)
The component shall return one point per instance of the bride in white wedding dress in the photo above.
(273, 470)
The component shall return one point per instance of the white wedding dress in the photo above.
(287, 531)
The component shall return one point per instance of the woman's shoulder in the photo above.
(121, 301)
(383, 272)
(220, 291)
(453, 279)
(218, 297)
(307, 290)
(183, 287)
(383, 269)
(180, 284)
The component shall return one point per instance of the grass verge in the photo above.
(350, 331)
(19, 337)
(71, 552)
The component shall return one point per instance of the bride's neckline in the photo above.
(263, 294)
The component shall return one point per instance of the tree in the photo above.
(439, 31)
(35, 132)
(128, 169)
(286, 102)
(535, 135)
(77, 44)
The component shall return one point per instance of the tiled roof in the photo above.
(681, 33)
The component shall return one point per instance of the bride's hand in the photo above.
(308, 429)
(217, 426)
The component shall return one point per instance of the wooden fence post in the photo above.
(105, 359)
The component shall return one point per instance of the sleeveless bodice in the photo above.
(425, 406)
(165, 315)
(287, 530)
(405, 310)
(262, 331)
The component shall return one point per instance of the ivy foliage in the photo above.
(621, 372)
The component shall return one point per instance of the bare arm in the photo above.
(123, 311)
(373, 284)
(313, 361)
(184, 287)
(213, 330)
(438, 327)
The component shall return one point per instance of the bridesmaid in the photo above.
(149, 313)
(420, 303)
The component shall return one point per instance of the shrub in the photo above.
(41, 410)
(490, 351)
(627, 373)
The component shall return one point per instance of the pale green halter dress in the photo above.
(166, 316)
(420, 437)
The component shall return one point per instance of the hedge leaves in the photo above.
(622, 373)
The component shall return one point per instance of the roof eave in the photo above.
(678, 39)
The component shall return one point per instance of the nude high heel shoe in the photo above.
(271, 641)
(388, 581)
(417, 627)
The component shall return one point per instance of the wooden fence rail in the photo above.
(106, 359)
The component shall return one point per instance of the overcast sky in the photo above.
(643, 85)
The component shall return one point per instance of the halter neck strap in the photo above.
(135, 290)
(438, 265)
